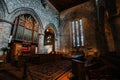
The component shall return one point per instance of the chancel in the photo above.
(59, 40)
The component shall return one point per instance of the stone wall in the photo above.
(114, 21)
(85, 11)
(1, 11)
(118, 25)
(1, 27)
(44, 15)
(108, 34)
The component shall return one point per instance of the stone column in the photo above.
(41, 44)
(115, 26)
(100, 30)
(4, 34)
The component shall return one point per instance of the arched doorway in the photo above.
(49, 40)
(24, 36)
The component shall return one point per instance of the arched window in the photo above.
(25, 29)
(77, 33)
(49, 37)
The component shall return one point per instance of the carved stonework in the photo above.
(33, 7)
(37, 6)
(1, 11)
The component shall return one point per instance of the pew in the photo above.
(78, 69)
(107, 67)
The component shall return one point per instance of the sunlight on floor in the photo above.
(66, 76)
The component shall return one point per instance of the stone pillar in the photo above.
(41, 44)
(100, 30)
(57, 43)
(5, 30)
(115, 26)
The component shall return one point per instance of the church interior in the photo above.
(59, 40)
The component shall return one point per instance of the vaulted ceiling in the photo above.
(61, 5)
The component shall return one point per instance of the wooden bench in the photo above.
(78, 69)
(109, 69)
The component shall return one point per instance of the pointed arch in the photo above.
(24, 10)
(52, 26)
(3, 8)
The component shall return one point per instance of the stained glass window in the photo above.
(73, 33)
(81, 32)
(77, 33)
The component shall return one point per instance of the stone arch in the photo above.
(24, 10)
(53, 32)
(51, 25)
(3, 9)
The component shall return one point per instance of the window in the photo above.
(97, 2)
(77, 33)
(49, 37)
(25, 29)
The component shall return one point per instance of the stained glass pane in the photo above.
(81, 32)
(82, 40)
(73, 33)
(77, 34)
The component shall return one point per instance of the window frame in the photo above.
(77, 33)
